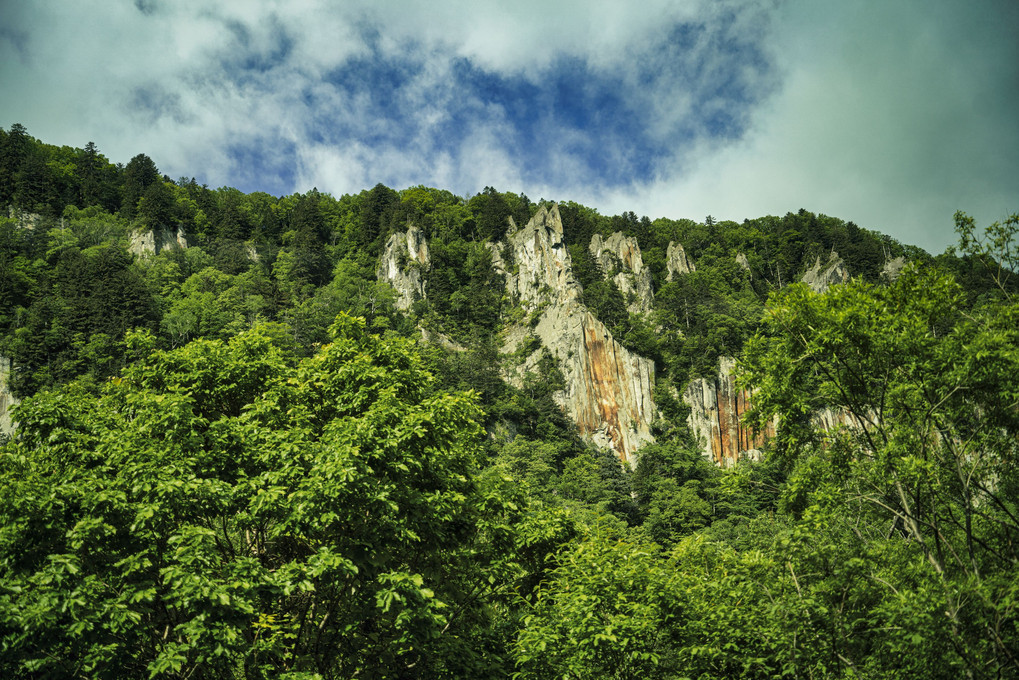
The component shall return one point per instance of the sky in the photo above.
(892, 114)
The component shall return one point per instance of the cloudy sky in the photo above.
(892, 114)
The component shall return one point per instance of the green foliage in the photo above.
(927, 390)
(607, 303)
(353, 291)
(674, 487)
(463, 288)
(223, 507)
(139, 174)
(997, 249)
(90, 291)
(599, 616)
(196, 489)
(492, 211)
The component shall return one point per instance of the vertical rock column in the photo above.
(608, 388)
(717, 407)
(404, 259)
(7, 399)
(619, 257)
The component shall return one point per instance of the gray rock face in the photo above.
(608, 388)
(676, 261)
(542, 272)
(27, 220)
(892, 268)
(404, 260)
(156, 240)
(618, 257)
(741, 260)
(7, 399)
(820, 277)
(717, 407)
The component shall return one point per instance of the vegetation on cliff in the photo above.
(242, 459)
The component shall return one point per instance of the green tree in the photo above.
(225, 510)
(139, 174)
(88, 170)
(599, 616)
(377, 210)
(927, 389)
(156, 206)
(491, 214)
(15, 147)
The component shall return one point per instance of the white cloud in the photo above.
(879, 120)
(889, 114)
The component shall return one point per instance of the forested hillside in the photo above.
(410, 434)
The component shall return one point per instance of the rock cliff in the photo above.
(404, 259)
(819, 277)
(156, 240)
(717, 407)
(27, 220)
(608, 388)
(543, 272)
(618, 257)
(742, 261)
(716, 411)
(7, 399)
(676, 261)
(892, 268)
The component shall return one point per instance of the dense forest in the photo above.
(236, 455)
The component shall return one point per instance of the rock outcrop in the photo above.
(7, 399)
(892, 268)
(717, 407)
(404, 259)
(820, 277)
(618, 257)
(26, 220)
(156, 240)
(716, 413)
(607, 388)
(741, 260)
(676, 261)
(543, 271)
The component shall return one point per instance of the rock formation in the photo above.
(892, 268)
(676, 261)
(404, 259)
(7, 400)
(741, 260)
(618, 257)
(156, 240)
(819, 277)
(716, 412)
(717, 407)
(543, 271)
(26, 220)
(608, 388)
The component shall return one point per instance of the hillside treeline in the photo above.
(240, 459)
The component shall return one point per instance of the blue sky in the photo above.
(890, 114)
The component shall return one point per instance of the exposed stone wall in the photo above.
(619, 256)
(741, 260)
(717, 407)
(892, 268)
(156, 240)
(676, 261)
(7, 399)
(608, 388)
(542, 271)
(404, 259)
(820, 277)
